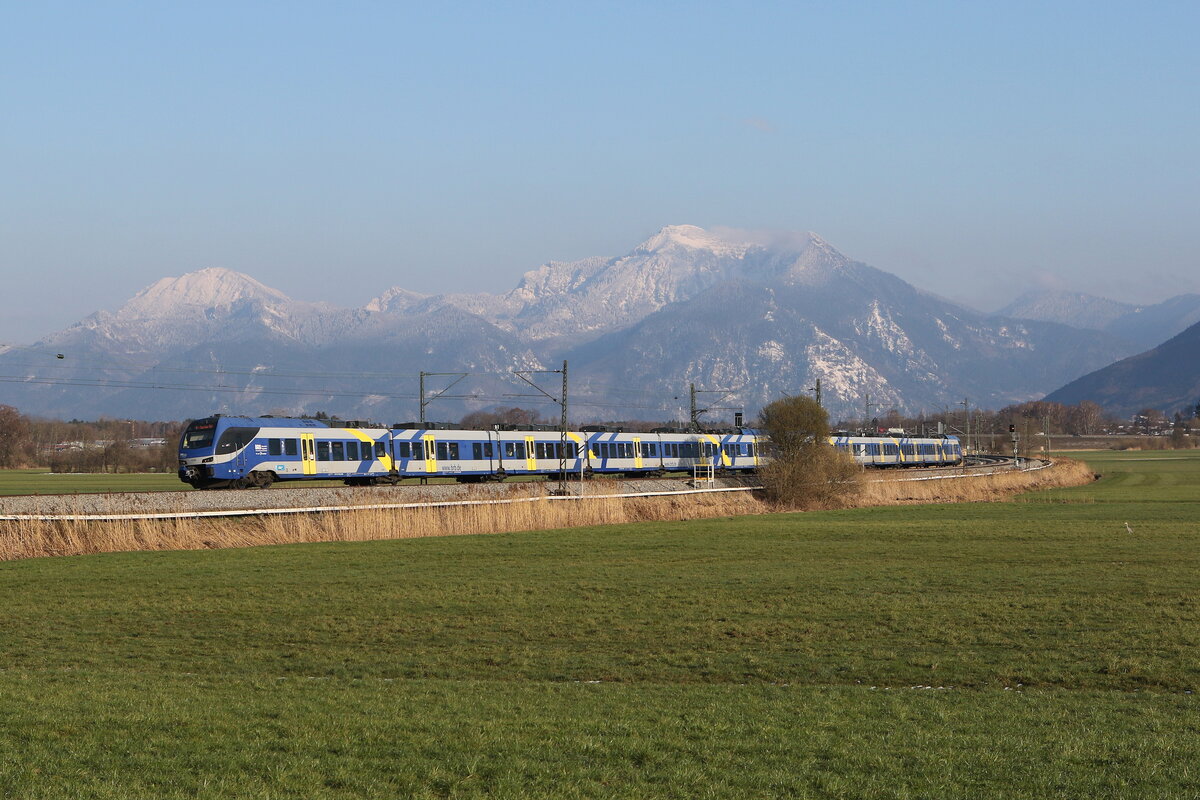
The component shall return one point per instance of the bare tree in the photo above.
(15, 443)
(804, 470)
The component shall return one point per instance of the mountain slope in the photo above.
(1166, 377)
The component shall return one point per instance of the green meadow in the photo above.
(1034, 648)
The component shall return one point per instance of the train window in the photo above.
(477, 451)
(274, 447)
(488, 450)
(234, 439)
(540, 449)
(380, 450)
(418, 450)
(403, 450)
(441, 451)
(352, 451)
(453, 448)
(289, 447)
(337, 451)
(322, 451)
(520, 449)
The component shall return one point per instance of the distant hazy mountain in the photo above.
(1067, 308)
(1165, 378)
(723, 309)
(1151, 325)
(1141, 326)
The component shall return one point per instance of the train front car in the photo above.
(222, 452)
(212, 451)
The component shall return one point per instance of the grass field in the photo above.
(770, 656)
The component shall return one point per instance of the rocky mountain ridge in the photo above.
(761, 315)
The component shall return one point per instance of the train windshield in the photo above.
(199, 434)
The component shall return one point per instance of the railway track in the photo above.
(308, 499)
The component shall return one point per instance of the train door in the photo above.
(308, 454)
(430, 453)
(530, 455)
(637, 452)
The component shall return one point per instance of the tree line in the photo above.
(105, 445)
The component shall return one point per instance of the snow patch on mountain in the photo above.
(214, 287)
(843, 374)
(395, 299)
(772, 351)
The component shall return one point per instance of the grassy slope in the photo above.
(748, 657)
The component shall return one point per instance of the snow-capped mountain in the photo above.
(763, 315)
(571, 301)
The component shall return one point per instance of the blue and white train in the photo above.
(241, 452)
(899, 450)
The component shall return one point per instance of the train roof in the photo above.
(268, 421)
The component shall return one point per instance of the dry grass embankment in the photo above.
(33, 539)
(982, 489)
(29, 539)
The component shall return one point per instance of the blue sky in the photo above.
(335, 150)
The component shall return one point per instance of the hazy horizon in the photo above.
(332, 153)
